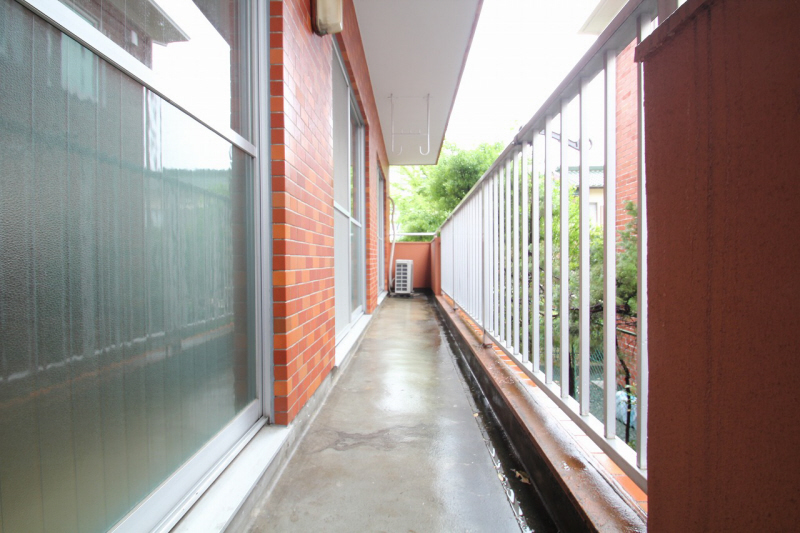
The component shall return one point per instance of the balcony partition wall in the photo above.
(129, 239)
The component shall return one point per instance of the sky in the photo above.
(521, 51)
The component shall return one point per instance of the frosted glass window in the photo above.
(124, 339)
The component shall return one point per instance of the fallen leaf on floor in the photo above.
(522, 476)
(475, 415)
(500, 477)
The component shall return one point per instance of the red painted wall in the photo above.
(722, 103)
(420, 253)
(302, 184)
(436, 266)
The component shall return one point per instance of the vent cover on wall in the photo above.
(404, 276)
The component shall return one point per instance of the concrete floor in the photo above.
(396, 447)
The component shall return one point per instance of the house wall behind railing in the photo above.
(722, 102)
(627, 134)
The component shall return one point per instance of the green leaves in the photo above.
(430, 193)
(627, 263)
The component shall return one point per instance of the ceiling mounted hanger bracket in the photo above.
(418, 133)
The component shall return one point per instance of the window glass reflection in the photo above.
(173, 38)
(124, 312)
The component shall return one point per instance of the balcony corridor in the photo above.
(399, 444)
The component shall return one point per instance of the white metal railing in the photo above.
(493, 262)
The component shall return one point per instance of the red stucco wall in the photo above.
(722, 110)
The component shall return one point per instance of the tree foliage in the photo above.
(430, 193)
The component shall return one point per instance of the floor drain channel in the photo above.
(528, 508)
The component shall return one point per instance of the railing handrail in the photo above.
(618, 32)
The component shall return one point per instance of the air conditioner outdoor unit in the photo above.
(404, 276)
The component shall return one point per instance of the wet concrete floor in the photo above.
(398, 445)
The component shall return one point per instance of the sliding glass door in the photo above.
(127, 331)
(348, 196)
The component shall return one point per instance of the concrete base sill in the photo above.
(577, 495)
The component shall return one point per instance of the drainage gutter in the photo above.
(576, 494)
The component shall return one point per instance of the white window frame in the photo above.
(356, 218)
(381, 233)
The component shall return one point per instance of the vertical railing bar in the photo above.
(525, 257)
(469, 259)
(515, 261)
(548, 251)
(482, 291)
(479, 257)
(535, 255)
(492, 256)
(464, 267)
(456, 244)
(583, 247)
(496, 255)
(459, 263)
(466, 215)
(474, 260)
(644, 26)
(456, 237)
(501, 264)
(489, 251)
(509, 287)
(484, 265)
(610, 248)
(563, 218)
(472, 263)
(476, 249)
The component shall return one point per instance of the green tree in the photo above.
(626, 281)
(430, 193)
(627, 264)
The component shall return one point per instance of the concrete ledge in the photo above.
(577, 495)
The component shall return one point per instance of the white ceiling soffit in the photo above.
(603, 13)
(415, 48)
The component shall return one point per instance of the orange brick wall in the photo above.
(302, 195)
